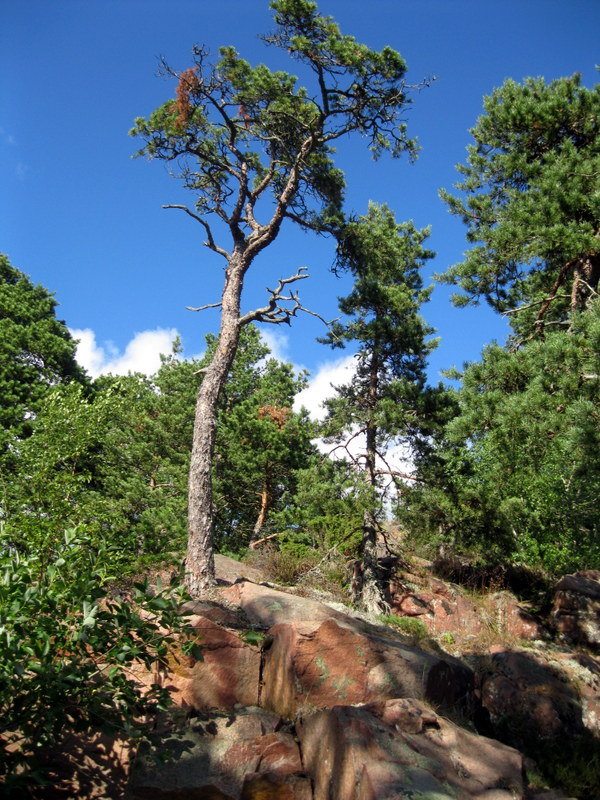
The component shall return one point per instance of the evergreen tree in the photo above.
(384, 402)
(115, 460)
(530, 198)
(516, 472)
(256, 150)
(261, 443)
(328, 509)
(36, 350)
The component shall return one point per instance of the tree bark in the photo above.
(371, 595)
(265, 497)
(199, 563)
(585, 283)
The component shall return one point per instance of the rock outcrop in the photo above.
(400, 748)
(316, 656)
(300, 699)
(444, 608)
(244, 754)
(322, 704)
(229, 673)
(377, 751)
(576, 608)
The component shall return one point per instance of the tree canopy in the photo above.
(530, 198)
(515, 473)
(36, 349)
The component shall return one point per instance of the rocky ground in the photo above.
(451, 697)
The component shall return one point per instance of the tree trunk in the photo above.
(199, 562)
(265, 497)
(585, 282)
(371, 595)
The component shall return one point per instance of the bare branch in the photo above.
(154, 485)
(346, 446)
(275, 312)
(591, 289)
(532, 305)
(254, 545)
(553, 291)
(210, 240)
(395, 474)
(203, 308)
(331, 550)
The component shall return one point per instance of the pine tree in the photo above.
(256, 151)
(530, 198)
(516, 472)
(385, 401)
(36, 349)
(261, 444)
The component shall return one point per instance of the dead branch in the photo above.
(395, 474)
(533, 305)
(331, 550)
(539, 322)
(275, 312)
(203, 308)
(254, 545)
(346, 446)
(154, 485)
(210, 242)
(590, 289)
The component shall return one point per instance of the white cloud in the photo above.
(277, 342)
(338, 373)
(320, 386)
(142, 353)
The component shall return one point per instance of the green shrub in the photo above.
(408, 625)
(67, 645)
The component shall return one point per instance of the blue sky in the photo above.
(83, 218)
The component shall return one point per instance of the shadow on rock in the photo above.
(546, 704)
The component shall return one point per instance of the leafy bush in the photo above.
(68, 649)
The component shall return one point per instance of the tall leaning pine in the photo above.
(256, 149)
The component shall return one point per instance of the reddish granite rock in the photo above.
(223, 757)
(411, 605)
(228, 674)
(514, 620)
(401, 748)
(581, 672)
(265, 607)
(576, 608)
(268, 786)
(529, 698)
(441, 606)
(228, 570)
(445, 609)
(323, 665)
(318, 657)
